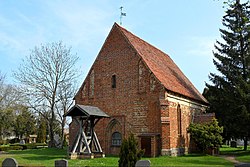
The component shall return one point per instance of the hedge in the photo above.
(22, 146)
(7, 148)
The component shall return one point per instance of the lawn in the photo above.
(47, 156)
(239, 153)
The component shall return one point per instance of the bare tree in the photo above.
(42, 74)
(66, 92)
(2, 78)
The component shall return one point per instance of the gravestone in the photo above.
(233, 144)
(9, 162)
(143, 163)
(22, 141)
(61, 163)
(57, 140)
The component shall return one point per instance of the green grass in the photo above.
(239, 153)
(35, 156)
(190, 160)
(47, 156)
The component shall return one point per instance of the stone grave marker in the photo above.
(233, 144)
(143, 163)
(61, 163)
(9, 162)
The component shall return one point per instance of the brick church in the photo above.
(144, 93)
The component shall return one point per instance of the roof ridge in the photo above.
(126, 38)
(141, 39)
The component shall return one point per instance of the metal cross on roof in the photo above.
(122, 14)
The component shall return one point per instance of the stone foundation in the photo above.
(174, 151)
(85, 155)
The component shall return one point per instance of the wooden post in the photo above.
(99, 149)
(86, 142)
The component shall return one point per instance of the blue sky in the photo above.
(185, 30)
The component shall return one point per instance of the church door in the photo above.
(146, 145)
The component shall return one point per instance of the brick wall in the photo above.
(135, 108)
(204, 118)
(175, 138)
(138, 104)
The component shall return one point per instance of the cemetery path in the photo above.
(233, 160)
(230, 158)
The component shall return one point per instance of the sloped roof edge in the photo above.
(176, 82)
(84, 110)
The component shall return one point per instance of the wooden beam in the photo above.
(97, 142)
(86, 142)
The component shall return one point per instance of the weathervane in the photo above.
(122, 14)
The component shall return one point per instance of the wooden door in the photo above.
(146, 146)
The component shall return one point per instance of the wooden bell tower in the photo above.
(86, 143)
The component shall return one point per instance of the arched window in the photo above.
(113, 80)
(179, 118)
(152, 82)
(141, 75)
(92, 83)
(116, 139)
(84, 91)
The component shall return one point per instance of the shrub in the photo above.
(16, 147)
(206, 135)
(3, 142)
(15, 140)
(129, 153)
(30, 145)
(7, 148)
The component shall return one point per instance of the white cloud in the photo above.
(11, 45)
(79, 22)
(201, 46)
(82, 25)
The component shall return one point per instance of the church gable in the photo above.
(143, 91)
(118, 67)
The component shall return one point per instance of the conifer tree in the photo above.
(229, 95)
(129, 153)
(42, 130)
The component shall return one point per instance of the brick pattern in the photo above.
(135, 109)
(164, 68)
(204, 118)
(137, 105)
(73, 130)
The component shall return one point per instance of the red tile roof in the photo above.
(163, 67)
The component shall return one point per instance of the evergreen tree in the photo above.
(129, 153)
(24, 124)
(42, 130)
(229, 95)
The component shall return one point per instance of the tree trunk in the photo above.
(51, 130)
(63, 138)
(62, 132)
(51, 135)
(52, 121)
(1, 135)
(245, 143)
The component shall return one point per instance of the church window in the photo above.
(179, 119)
(84, 93)
(142, 82)
(92, 82)
(113, 80)
(116, 139)
(152, 82)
